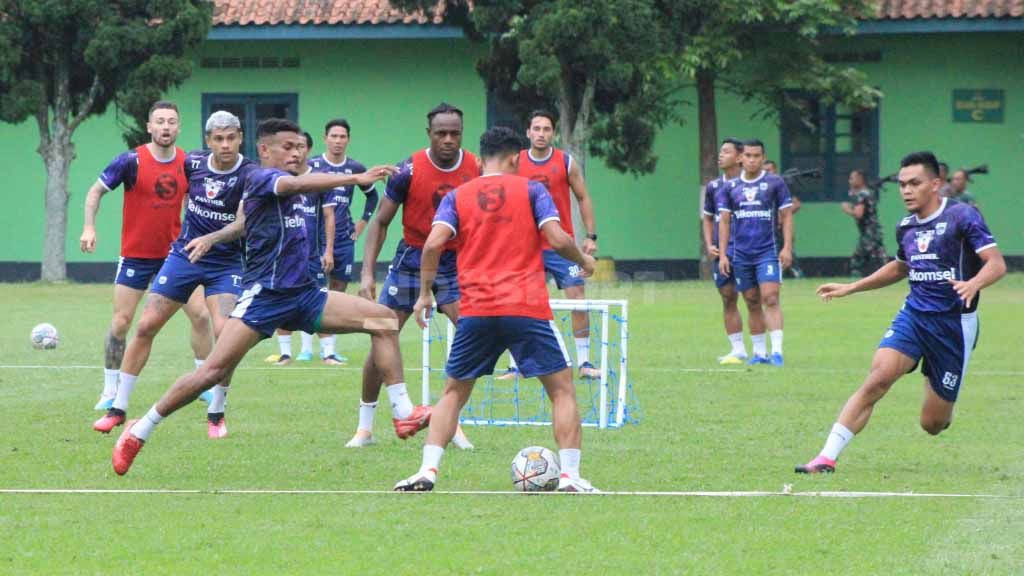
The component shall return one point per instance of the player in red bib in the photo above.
(502, 222)
(155, 185)
(421, 183)
(555, 169)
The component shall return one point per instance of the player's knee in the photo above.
(383, 323)
(146, 329)
(209, 374)
(770, 300)
(729, 298)
(119, 325)
(934, 426)
(200, 318)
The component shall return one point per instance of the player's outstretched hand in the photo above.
(967, 290)
(589, 264)
(376, 173)
(197, 248)
(724, 266)
(368, 289)
(88, 240)
(423, 309)
(829, 291)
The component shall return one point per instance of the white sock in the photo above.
(124, 391)
(569, 461)
(198, 362)
(366, 411)
(401, 405)
(431, 458)
(738, 347)
(582, 350)
(110, 382)
(284, 344)
(776, 336)
(838, 438)
(307, 342)
(758, 344)
(144, 427)
(327, 346)
(220, 395)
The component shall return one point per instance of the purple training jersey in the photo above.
(340, 199)
(939, 249)
(711, 208)
(213, 198)
(755, 206)
(276, 252)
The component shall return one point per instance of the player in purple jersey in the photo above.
(145, 237)
(748, 209)
(948, 254)
(729, 162)
(278, 289)
(207, 253)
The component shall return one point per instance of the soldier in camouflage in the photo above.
(870, 253)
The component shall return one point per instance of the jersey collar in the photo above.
(933, 215)
(453, 168)
(551, 152)
(332, 164)
(209, 165)
(759, 176)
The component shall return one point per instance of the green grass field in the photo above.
(704, 429)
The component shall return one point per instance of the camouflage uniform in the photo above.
(870, 253)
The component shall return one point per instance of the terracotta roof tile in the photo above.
(334, 12)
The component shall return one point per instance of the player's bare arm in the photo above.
(992, 270)
(377, 232)
(887, 275)
(725, 219)
(321, 181)
(566, 247)
(706, 223)
(579, 189)
(786, 254)
(327, 260)
(430, 259)
(198, 247)
(92, 206)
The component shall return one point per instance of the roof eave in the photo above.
(334, 32)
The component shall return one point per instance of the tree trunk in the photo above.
(574, 130)
(57, 158)
(707, 122)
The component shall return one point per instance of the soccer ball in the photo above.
(535, 469)
(44, 337)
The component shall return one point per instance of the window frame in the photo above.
(249, 101)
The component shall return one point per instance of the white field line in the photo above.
(672, 370)
(677, 494)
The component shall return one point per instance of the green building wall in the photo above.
(385, 88)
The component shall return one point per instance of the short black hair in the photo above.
(442, 108)
(924, 158)
(272, 126)
(541, 113)
(338, 122)
(163, 105)
(772, 162)
(309, 140)
(736, 143)
(754, 142)
(500, 140)
(944, 165)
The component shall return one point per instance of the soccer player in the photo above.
(278, 289)
(318, 211)
(754, 201)
(948, 254)
(555, 169)
(500, 219)
(771, 167)
(199, 257)
(421, 183)
(729, 163)
(154, 182)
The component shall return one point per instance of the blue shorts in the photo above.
(266, 310)
(344, 256)
(316, 270)
(137, 273)
(402, 286)
(721, 279)
(536, 345)
(943, 340)
(566, 272)
(753, 275)
(178, 278)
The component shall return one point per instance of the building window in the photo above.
(251, 109)
(829, 137)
